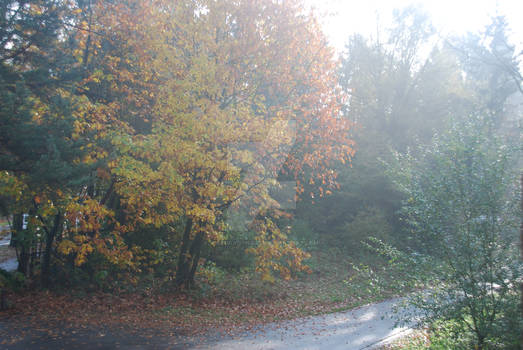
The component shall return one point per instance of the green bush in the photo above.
(231, 253)
(303, 235)
(11, 280)
(462, 203)
(448, 335)
(369, 222)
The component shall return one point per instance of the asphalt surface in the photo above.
(366, 327)
(5, 240)
(10, 264)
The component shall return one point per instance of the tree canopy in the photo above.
(157, 113)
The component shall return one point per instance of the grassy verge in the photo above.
(417, 340)
(438, 338)
(443, 335)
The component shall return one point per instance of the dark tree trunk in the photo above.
(189, 256)
(196, 248)
(17, 227)
(46, 263)
(20, 243)
(3, 303)
(183, 262)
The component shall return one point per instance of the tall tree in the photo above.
(39, 109)
(491, 64)
(244, 72)
(172, 112)
(401, 86)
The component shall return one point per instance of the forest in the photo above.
(181, 167)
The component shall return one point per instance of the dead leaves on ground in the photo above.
(230, 312)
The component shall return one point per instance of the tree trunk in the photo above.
(183, 262)
(3, 303)
(196, 248)
(189, 257)
(46, 263)
(20, 243)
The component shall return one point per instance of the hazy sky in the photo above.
(343, 17)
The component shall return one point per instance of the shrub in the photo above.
(462, 202)
(369, 222)
(303, 235)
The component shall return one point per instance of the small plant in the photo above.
(367, 282)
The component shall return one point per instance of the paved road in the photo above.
(362, 328)
(5, 240)
(11, 264)
(366, 327)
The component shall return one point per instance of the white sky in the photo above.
(343, 17)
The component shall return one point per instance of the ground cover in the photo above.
(226, 304)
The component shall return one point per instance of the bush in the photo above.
(303, 235)
(462, 202)
(11, 280)
(369, 222)
(231, 253)
(388, 272)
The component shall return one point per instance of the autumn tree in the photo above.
(68, 89)
(176, 112)
(234, 77)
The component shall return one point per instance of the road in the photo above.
(5, 240)
(365, 327)
(10, 264)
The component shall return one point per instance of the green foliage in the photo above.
(303, 235)
(365, 281)
(212, 273)
(388, 271)
(461, 203)
(231, 252)
(370, 222)
(448, 334)
(13, 281)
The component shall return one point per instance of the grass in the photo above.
(438, 338)
(446, 334)
(333, 286)
(417, 340)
